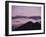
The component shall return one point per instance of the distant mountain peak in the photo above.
(26, 17)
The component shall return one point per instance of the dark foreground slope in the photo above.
(29, 26)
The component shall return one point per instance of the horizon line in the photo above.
(26, 17)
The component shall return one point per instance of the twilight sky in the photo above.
(26, 11)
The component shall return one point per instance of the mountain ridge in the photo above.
(26, 17)
(29, 26)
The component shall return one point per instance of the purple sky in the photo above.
(26, 11)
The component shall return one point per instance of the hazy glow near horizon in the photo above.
(26, 11)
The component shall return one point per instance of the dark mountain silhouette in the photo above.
(29, 26)
(30, 17)
(35, 17)
(15, 17)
